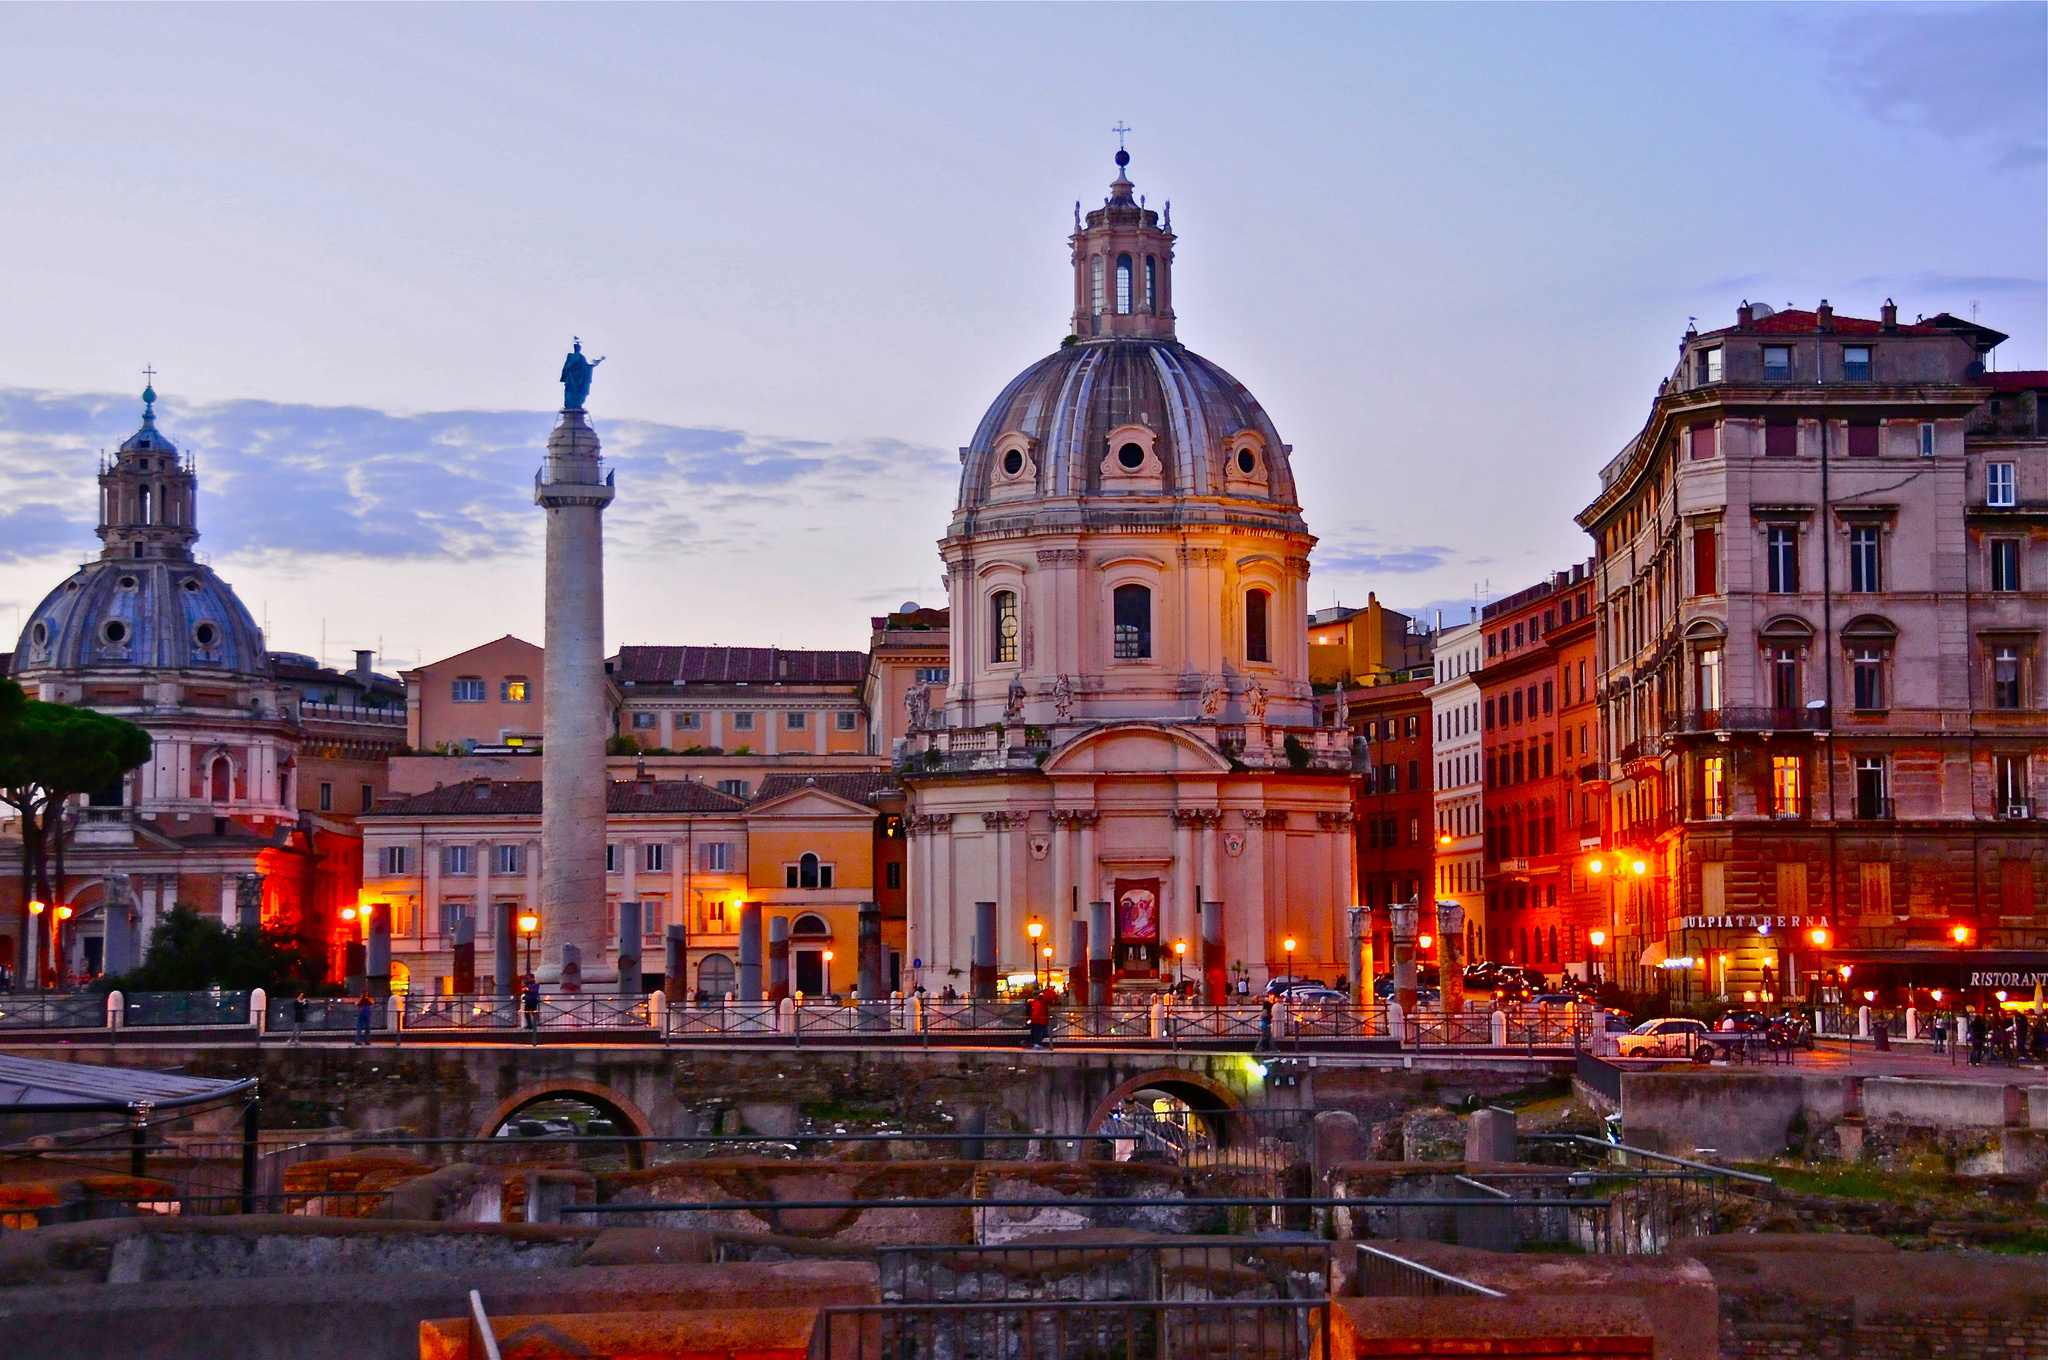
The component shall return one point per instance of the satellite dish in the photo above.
(909, 607)
(1760, 310)
(1816, 703)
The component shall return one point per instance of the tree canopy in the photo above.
(189, 952)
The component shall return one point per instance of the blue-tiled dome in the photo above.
(115, 614)
(1208, 434)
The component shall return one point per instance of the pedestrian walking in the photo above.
(1038, 1020)
(1979, 1031)
(1941, 1034)
(529, 1006)
(1266, 1025)
(364, 1006)
(298, 1015)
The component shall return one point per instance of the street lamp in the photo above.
(1180, 959)
(528, 924)
(1596, 938)
(828, 973)
(1034, 928)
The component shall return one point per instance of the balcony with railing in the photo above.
(352, 713)
(1748, 720)
(958, 750)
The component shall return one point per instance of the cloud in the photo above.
(1372, 558)
(1953, 283)
(1963, 73)
(320, 481)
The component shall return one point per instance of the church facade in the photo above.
(1128, 717)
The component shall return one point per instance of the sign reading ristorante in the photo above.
(2008, 980)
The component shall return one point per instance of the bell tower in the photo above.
(148, 495)
(1123, 266)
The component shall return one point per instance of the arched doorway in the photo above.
(1172, 1111)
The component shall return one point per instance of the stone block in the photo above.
(1490, 1136)
(1940, 1104)
(1336, 1139)
(708, 1334)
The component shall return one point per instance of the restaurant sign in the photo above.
(2008, 980)
(1752, 922)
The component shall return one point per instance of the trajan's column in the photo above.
(574, 491)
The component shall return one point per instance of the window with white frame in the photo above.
(455, 859)
(846, 721)
(469, 689)
(1707, 365)
(715, 857)
(1788, 786)
(513, 690)
(2006, 666)
(1714, 786)
(1781, 559)
(394, 859)
(742, 722)
(1855, 363)
(508, 859)
(808, 872)
(1866, 575)
(654, 857)
(2000, 486)
(795, 722)
(614, 859)
(1867, 677)
(1131, 619)
(1873, 788)
(689, 722)
(645, 722)
(736, 788)
(934, 675)
(1002, 627)
(1927, 439)
(1777, 362)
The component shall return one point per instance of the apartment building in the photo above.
(1458, 757)
(1819, 578)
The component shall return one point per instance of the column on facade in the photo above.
(1088, 872)
(481, 866)
(1058, 919)
(1180, 924)
(678, 864)
(667, 730)
(1211, 874)
(946, 899)
(532, 902)
(1251, 937)
(430, 890)
(629, 875)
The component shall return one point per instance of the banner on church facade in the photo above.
(1137, 925)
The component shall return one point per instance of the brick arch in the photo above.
(596, 1092)
(1206, 1096)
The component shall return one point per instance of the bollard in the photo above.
(116, 1008)
(1912, 1023)
(259, 1011)
(1863, 1022)
(1500, 1028)
(1395, 1028)
(1490, 1135)
(1158, 1017)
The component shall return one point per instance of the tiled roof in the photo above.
(1795, 322)
(736, 665)
(2020, 381)
(860, 786)
(521, 798)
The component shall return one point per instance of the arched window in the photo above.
(1131, 614)
(1002, 626)
(807, 872)
(1255, 647)
(1096, 270)
(142, 505)
(1151, 284)
(1123, 285)
(222, 779)
(809, 924)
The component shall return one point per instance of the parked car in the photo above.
(1556, 999)
(1316, 996)
(1669, 1037)
(1744, 1019)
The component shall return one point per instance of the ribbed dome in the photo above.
(1063, 426)
(115, 614)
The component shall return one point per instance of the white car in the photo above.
(1666, 1038)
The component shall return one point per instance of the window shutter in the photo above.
(1704, 563)
(1781, 439)
(1703, 441)
(1863, 441)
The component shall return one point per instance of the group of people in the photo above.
(366, 1013)
(1999, 1037)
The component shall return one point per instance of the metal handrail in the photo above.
(1377, 1265)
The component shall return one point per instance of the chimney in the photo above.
(1744, 315)
(1890, 315)
(1824, 318)
(363, 666)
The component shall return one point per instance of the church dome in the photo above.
(146, 603)
(1127, 417)
(151, 614)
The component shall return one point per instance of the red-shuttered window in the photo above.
(1781, 439)
(1703, 441)
(1705, 561)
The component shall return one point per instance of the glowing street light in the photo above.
(1638, 868)
(528, 925)
(1288, 945)
(1818, 936)
(1180, 958)
(1034, 928)
(828, 973)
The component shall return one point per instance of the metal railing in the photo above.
(1150, 1329)
(722, 1019)
(1470, 1028)
(860, 1019)
(1654, 1198)
(324, 1015)
(558, 1011)
(53, 1010)
(1102, 1022)
(1383, 1275)
(944, 1017)
(180, 1009)
(1748, 719)
(1185, 1023)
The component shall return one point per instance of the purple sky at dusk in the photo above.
(1451, 247)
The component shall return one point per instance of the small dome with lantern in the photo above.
(145, 603)
(1122, 408)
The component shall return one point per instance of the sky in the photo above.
(1452, 249)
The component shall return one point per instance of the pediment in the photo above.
(810, 802)
(1136, 748)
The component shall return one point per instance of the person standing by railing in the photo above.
(1038, 1019)
(298, 1015)
(364, 1006)
(529, 1006)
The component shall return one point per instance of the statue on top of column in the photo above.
(576, 371)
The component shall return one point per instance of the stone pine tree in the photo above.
(49, 754)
